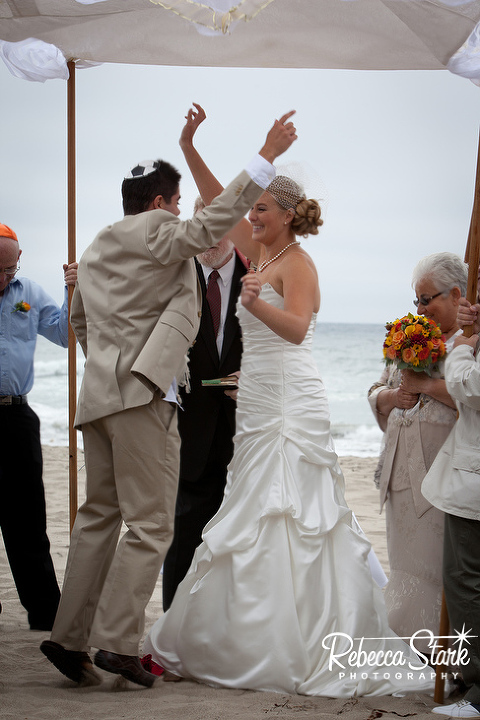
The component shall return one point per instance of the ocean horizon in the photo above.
(348, 355)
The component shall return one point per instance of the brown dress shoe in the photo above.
(128, 666)
(76, 665)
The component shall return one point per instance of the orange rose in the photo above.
(408, 356)
(21, 306)
(398, 338)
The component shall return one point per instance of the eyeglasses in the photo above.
(426, 299)
(10, 271)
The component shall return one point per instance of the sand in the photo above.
(32, 689)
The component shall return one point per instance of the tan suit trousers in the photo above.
(131, 460)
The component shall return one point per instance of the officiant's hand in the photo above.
(234, 392)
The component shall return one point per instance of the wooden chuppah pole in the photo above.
(472, 257)
(439, 691)
(72, 241)
(472, 252)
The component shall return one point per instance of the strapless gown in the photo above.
(283, 564)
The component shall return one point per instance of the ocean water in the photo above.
(349, 358)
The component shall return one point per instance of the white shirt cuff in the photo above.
(171, 395)
(261, 171)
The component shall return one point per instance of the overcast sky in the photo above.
(394, 153)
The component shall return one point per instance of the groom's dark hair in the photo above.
(138, 192)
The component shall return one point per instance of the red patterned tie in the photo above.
(214, 301)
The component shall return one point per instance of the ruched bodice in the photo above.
(276, 371)
(283, 563)
(256, 334)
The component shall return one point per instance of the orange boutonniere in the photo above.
(21, 307)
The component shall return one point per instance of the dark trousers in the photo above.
(22, 515)
(461, 580)
(197, 502)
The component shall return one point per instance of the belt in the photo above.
(13, 400)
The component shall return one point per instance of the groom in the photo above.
(135, 312)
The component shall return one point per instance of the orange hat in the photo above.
(5, 231)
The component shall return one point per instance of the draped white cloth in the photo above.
(356, 34)
(37, 61)
(34, 60)
(283, 564)
(466, 61)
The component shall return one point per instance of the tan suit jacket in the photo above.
(137, 302)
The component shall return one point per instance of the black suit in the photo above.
(206, 426)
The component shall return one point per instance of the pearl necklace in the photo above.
(264, 264)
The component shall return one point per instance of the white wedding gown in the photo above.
(283, 564)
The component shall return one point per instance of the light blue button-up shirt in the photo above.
(18, 332)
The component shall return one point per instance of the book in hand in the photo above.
(230, 381)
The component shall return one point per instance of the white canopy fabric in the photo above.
(37, 37)
(351, 34)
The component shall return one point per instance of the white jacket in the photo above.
(453, 481)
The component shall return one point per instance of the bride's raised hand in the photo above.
(251, 287)
(194, 117)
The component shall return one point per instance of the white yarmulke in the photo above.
(143, 168)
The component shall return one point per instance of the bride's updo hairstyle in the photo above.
(289, 196)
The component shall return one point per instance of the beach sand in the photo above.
(32, 689)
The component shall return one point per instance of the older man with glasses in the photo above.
(25, 311)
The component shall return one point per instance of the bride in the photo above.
(279, 595)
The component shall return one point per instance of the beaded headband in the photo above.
(286, 192)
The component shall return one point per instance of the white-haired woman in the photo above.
(416, 413)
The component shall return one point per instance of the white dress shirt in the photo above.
(225, 284)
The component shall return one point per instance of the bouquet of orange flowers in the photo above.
(414, 342)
